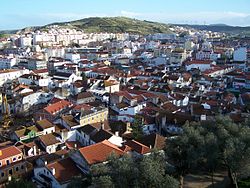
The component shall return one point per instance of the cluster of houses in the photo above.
(83, 101)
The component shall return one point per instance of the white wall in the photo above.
(240, 54)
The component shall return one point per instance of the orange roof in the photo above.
(9, 152)
(65, 169)
(58, 106)
(138, 147)
(40, 71)
(198, 62)
(99, 152)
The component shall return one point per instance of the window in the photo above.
(19, 157)
(10, 172)
(14, 159)
(7, 162)
(2, 174)
(17, 168)
(0, 163)
(22, 167)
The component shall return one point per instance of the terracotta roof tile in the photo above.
(58, 106)
(99, 152)
(9, 152)
(138, 147)
(65, 170)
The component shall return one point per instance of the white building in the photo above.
(7, 75)
(7, 62)
(74, 57)
(201, 65)
(55, 52)
(25, 41)
(240, 54)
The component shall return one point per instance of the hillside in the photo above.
(222, 28)
(112, 24)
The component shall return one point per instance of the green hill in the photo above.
(235, 30)
(111, 24)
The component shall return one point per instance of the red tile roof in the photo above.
(65, 170)
(58, 106)
(40, 71)
(9, 152)
(198, 62)
(138, 147)
(99, 152)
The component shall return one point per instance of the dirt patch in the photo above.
(205, 181)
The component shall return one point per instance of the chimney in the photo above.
(34, 150)
(53, 171)
(192, 110)
(75, 146)
(102, 125)
(128, 128)
(116, 133)
(45, 162)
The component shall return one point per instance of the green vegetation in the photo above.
(20, 183)
(244, 183)
(222, 28)
(2, 35)
(150, 171)
(112, 24)
(210, 145)
(136, 126)
(84, 77)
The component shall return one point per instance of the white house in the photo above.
(7, 62)
(74, 57)
(240, 54)
(11, 74)
(198, 64)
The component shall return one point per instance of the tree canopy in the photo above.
(210, 144)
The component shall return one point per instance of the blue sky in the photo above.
(21, 13)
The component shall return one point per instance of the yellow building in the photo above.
(95, 115)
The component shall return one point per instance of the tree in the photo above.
(210, 144)
(185, 150)
(234, 146)
(77, 182)
(136, 126)
(150, 171)
(84, 77)
(153, 172)
(20, 183)
(103, 182)
(211, 154)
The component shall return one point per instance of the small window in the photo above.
(14, 159)
(7, 162)
(17, 169)
(19, 157)
(10, 172)
(0, 164)
(2, 174)
(22, 167)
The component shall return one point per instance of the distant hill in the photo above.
(221, 28)
(111, 24)
(8, 32)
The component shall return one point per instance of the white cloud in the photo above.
(230, 18)
(130, 14)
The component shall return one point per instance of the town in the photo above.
(71, 99)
